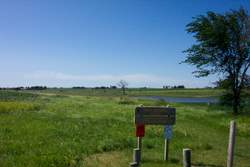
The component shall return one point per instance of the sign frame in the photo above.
(155, 115)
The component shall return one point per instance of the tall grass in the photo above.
(98, 131)
(6, 95)
(6, 107)
(135, 92)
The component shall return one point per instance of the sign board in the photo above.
(140, 130)
(168, 132)
(154, 115)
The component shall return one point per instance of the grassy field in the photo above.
(136, 92)
(65, 127)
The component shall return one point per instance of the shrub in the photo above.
(126, 100)
(6, 107)
(160, 102)
(13, 96)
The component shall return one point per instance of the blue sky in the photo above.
(99, 42)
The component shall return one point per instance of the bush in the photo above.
(227, 99)
(160, 102)
(126, 100)
(13, 96)
(6, 107)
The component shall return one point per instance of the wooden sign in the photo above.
(154, 115)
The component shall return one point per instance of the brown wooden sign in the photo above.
(154, 115)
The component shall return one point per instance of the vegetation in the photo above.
(134, 92)
(174, 87)
(223, 44)
(66, 128)
(122, 84)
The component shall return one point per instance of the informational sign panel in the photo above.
(154, 115)
(140, 130)
(168, 131)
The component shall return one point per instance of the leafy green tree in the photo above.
(222, 47)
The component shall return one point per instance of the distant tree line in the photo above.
(24, 88)
(36, 88)
(174, 87)
(97, 87)
(12, 88)
(78, 87)
(106, 87)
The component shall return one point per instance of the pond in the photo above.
(182, 99)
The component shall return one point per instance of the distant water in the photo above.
(182, 99)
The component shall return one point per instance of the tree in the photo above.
(122, 84)
(222, 47)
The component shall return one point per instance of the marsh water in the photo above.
(182, 99)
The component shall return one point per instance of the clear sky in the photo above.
(98, 42)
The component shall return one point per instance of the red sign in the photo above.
(140, 130)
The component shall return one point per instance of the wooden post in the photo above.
(230, 150)
(133, 164)
(166, 148)
(139, 146)
(137, 155)
(139, 142)
(186, 157)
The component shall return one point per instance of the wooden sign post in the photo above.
(154, 116)
(168, 135)
(231, 143)
(186, 157)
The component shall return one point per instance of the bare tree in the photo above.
(122, 84)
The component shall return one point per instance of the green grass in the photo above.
(72, 129)
(16, 96)
(135, 92)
